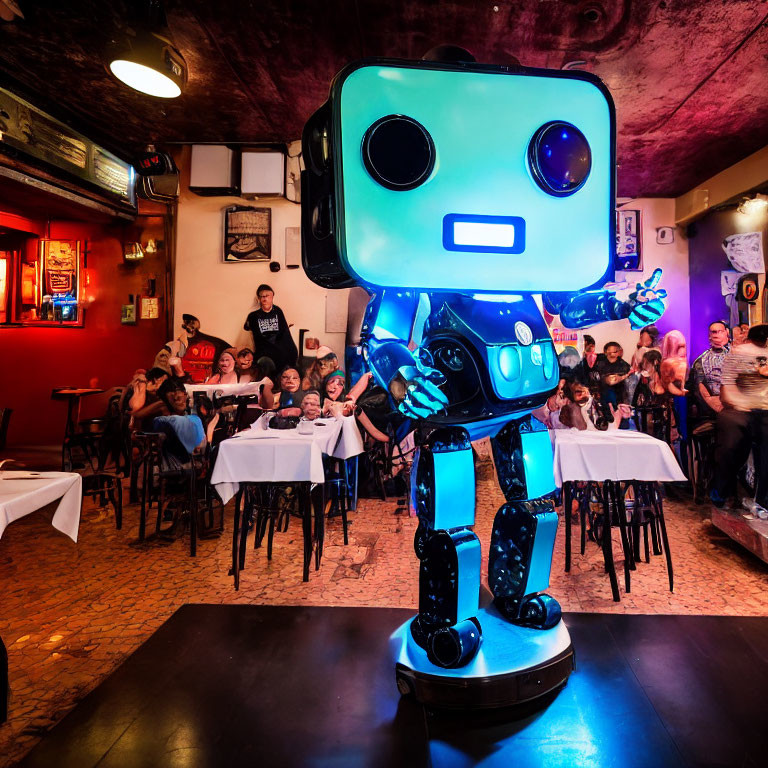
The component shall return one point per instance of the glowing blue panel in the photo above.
(481, 124)
(538, 461)
(454, 489)
(541, 557)
(483, 234)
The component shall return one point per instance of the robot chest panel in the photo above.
(496, 353)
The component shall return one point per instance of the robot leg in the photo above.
(449, 576)
(523, 537)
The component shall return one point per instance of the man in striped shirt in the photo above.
(743, 422)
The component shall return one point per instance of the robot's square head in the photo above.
(464, 178)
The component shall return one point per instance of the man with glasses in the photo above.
(707, 371)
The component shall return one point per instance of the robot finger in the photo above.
(654, 279)
(435, 392)
(414, 410)
(422, 399)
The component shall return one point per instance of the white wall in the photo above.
(673, 260)
(222, 295)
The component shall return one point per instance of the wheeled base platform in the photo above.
(513, 665)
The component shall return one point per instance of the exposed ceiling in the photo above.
(690, 79)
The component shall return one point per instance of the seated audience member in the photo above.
(674, 363)
(613, 371)
(339, 402)
(226, 369)
(707, 371)
(144, 403)
(648, 340)
(271, 332)
(285, 396)
(246, 370)
(335, 402)
(267, 368)
(310, 405)
(649, 391)
(325, 362)
(586, 371)
(184, 432)
(569, 358)
(169, 359)
(583, 413)
(549, 413)
(743, 422)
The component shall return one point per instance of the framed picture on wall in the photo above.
(247, 234)
(628, 246)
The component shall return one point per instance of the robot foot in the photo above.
(449, 647)
(536, 611)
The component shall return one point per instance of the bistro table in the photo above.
(21, 493)
(610, 457)
(262, 455)
(72, 395)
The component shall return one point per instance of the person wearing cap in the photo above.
(325, 363)
(271, 332)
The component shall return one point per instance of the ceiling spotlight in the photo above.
(753, 204)
(149, 62)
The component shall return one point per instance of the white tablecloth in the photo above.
(613, 455)
(20, 496)
(260, 455)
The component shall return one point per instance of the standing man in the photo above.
(271, 333)
(743, 422)
(707, 371)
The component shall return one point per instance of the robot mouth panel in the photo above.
(483, 234)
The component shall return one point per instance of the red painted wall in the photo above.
(103, 354)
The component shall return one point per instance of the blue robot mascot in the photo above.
(453, 192)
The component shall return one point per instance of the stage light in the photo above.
(754, 204)
(149, 62)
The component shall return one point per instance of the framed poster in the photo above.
(149, 308)
(247, 234)
(628, 256)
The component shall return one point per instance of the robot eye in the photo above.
(398, 152)
(560, 158)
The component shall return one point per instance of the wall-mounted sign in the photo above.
(247, 233)
(150, 308)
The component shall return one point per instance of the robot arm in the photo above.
(386, 330)
(578, 310)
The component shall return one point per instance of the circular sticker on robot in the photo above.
(523, 333)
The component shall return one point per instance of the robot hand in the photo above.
(415, 388)
(646, 304)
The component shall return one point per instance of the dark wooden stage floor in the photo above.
(284, 686)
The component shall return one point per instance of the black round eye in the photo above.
(398, 152)
(560, 158)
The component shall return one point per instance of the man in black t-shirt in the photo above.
(271, 334)
(613, 370)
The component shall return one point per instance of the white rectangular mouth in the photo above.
(476, 233)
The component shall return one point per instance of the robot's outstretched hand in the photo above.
(646, 304)
(416, 391)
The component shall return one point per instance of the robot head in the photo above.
(460, 177)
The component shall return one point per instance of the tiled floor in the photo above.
(70, 614)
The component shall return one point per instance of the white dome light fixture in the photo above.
(149, 62)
